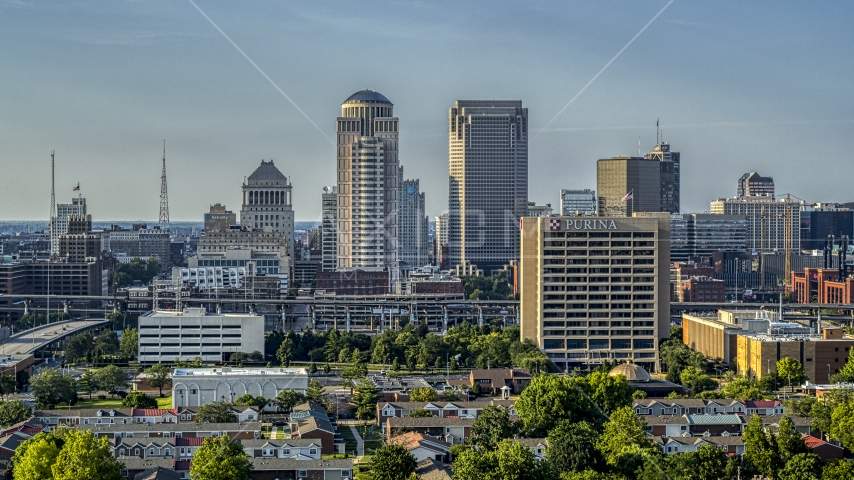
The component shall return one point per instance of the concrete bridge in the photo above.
(48, 337)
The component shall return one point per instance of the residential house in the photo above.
(685, 406)
(423, 446)
(235, 431)
(272, 468)
(802, 424)
(430, 469)
(537, 445)
(492, 379)
(456, 409)
(764, 407)
(136, 466)
(294, 448)
(321, 430)
(825, 450)
(666, 425)
(144, 447)
(158, 473)
(452, 430)
(734, 445)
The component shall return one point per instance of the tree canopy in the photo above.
(139, 400)
(392, 462)
(219, 458)
(12, 412)
(51, 388)
(66, 454)
(159, 376)
(215, 412)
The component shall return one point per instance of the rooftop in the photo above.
(238, 372)
(363, 96)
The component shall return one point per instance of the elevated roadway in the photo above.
(33, 340)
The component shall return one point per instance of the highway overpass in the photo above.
(48, 337)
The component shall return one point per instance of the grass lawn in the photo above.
(349, 439)
(165, 402)
(373, 440)
(84, 402)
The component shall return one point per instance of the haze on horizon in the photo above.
(738, 87)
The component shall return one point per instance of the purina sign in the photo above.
(579, 224)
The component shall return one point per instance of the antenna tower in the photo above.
(164, 197)
(53, 245)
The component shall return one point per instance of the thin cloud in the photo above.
(692, 125)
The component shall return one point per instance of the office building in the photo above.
(670, 171)
(488, 182)
(772, 226)
(694, 235)
(367, 146)
(823, 220)
(192, 332)
(79, 244)
(60, 223)
(441, 241)
(754, 185)
(595, 289)
(139, 242)
(194, 387)
(353, 282)
(616, 177)
(235, 268)
(54, 278)
(218, 219)
(822, 356)
(329, 229)
(413, 228)
(535, 210)
(578, 202)
(267, 202)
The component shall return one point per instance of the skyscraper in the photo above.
(329, 227)
(669, 168)
(578, 202)
(367, 136)
(267, 202)
(616, 177)
(413, 228)
(60, 223)
(754, 185)
(487, 181)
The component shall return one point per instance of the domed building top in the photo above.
(367, 96)
(267, 173)
(632, 372)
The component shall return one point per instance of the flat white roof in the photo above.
(243, 371)
(195, 312)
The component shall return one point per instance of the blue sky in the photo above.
(738, 86)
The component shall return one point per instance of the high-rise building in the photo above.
(617, 177)
(594, 289)
(535, 210)
(754, 185)
(769, 223)
(669, 168)
(701, 234)
(577, 202)
(487, 181)
(218, 219)
(441, 241)
(267, 202)
(79, 244)
(60, 223)
(367, 140)
(329, 227)
(822, 220)
(413, 228)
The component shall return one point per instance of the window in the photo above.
(167, 452)
(122, 452)
(312, 451)
(136, 451)
(302, 473)
(345, 473)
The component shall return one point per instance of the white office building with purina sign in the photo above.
(595, 289)
(194, 387)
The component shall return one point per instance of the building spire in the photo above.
(164, 197)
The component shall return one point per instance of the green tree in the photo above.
(509, 461)
(759, 448)
(138, 400)
(741, 387)
(220, 459)
(420, 413)
(117, 320)
(65, 454)
(548, 400)
(247, 400)
(285, 352)
(51, 388)
(842, 424)
(697, 380)
(327, 369)
(846, 373)
(789, 441)
(490, 427)
(312, 369)
(215, 412)
(803, 466)
(423, 394)
(288, 399)
(314, 393)
(159, 376)
(624, 443)
(366, 397)
(838, 470)
(107, 342)
(392, 462)
(121, 280)
(129, 345)
(609, 393)
(79, 346)
(12, 412)
(8, 385)
(572, 448)
(110, 379)
(790, 371)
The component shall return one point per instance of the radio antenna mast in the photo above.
(164, 197)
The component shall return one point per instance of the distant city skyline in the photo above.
(738, 88)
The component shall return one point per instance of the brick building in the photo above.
(702, 289)
(819, 285)
(354, 282)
